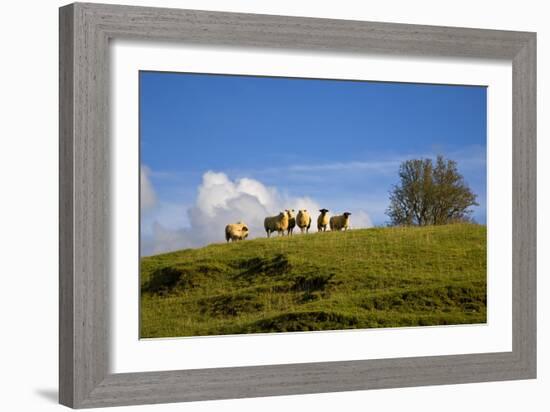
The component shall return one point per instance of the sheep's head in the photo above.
(323, 211)
(245, 229)
(347, 214)
(290, 212)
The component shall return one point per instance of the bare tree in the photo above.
(430, 194)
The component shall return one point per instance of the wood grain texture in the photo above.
(84, 253)
(66, 228)
(524, 226)
(85, 31)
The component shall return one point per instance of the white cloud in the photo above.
(148, 198)
(468, 157)
(163, 240)
(220, 201)
(376, 166)
(360, 220)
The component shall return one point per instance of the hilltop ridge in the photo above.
(364, 278)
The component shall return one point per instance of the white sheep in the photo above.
(291, 221)
(277, 224)
(340, 222)
(303, 220)
(236, 231)
(323, 220)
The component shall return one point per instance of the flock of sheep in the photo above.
(286, 222)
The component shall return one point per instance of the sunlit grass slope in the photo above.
(368, 278)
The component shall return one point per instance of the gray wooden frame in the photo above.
(85, 31)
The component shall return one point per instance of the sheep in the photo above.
(340, 222)
(236, 231)
(291, 221)
(322, 220)
(303, 220)
(277, 224)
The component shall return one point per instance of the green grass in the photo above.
(368, 278)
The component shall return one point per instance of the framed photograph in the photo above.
(257, 205)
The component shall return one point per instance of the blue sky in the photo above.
(338, 143)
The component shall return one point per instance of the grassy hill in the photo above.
(381, 277)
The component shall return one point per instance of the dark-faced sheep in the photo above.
(277, 224)
(323, 220)
(303, 220)
(236, 231)
(291, 221)
(340, 222)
